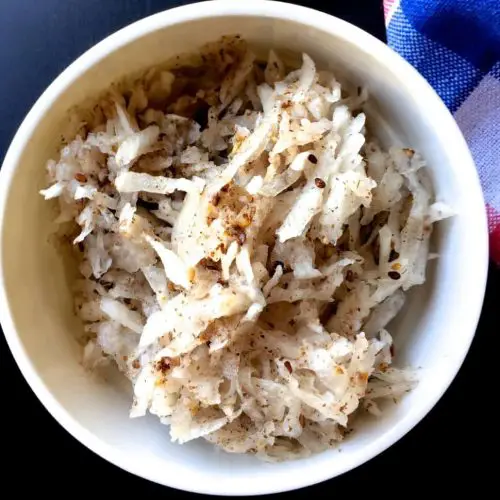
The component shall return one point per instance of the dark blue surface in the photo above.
(38, 39)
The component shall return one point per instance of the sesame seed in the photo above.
(313, 159)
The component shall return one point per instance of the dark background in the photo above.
(38, 39)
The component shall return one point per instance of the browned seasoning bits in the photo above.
(215, 199)
(302, 420)
(320, 183)
(238, 233)
(163, 365)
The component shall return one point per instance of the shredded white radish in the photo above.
(243, 271)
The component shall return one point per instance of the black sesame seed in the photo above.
(394, 275)
(312, 158)
(393, 255)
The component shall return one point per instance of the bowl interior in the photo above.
(433, 332)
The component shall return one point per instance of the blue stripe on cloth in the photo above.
(452, 76)
(470, 28)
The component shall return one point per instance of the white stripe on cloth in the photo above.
(478, 119)
(390, 6)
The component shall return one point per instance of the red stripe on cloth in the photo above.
(387, 7)
(494, 230)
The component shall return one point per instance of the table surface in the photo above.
(38, 39)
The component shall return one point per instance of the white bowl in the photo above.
(434, 331)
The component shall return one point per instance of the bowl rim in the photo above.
(224, 8)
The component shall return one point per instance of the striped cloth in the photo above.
(455, 45)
